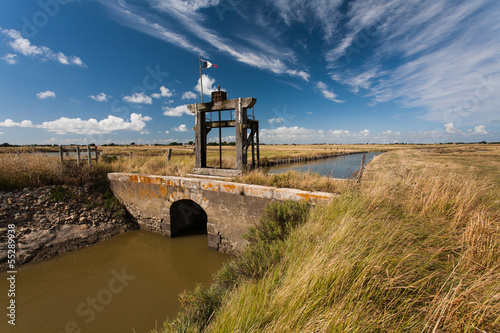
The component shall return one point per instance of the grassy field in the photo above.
(414, 248)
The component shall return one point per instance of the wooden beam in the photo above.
(230, 104)
(224, 123)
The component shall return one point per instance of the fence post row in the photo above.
(78, 152)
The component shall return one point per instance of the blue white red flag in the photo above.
(207, 64)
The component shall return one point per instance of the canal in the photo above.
(334, 167)
(125, 284)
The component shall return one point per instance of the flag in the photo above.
(207, 64)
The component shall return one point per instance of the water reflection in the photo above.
(335, 167)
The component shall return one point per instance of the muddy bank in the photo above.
(56, 219)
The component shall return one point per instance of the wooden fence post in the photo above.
(61, 155)
(89, 154)
(96, 155)
(362, 167)
(78, 155)
(169, 154)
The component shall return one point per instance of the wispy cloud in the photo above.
(328, 94)
(46, 94)
(443, 57)
(10, 58)
(189, 95)
(23, 46)
(191, 22)
(65, 125)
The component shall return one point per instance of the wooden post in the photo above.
(258, 152)
(200, 138)
(130, 156)
(96, 155)
(89, 154)
(220, 142)
(78, 155)
(239, 136)
(169, 154)
(361, 168)
(61, 155)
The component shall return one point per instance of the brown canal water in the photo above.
(123, 284)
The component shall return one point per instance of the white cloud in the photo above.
(65, 125)
(46, 94)
(10, 58)
(481, 129)
(166, 132)
(208, 85)
(22, 45)
(338, 133)
(164, 92)
(189, 95)
(11, 123)
(181, 128)
(102, 97)
(277, 120)
(328, 94)
(450, 128)
(177, 111)
(138, 98)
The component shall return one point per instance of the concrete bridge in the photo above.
(177, 205)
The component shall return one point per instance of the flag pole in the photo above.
(201, 79)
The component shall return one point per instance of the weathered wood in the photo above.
(362, 167)
(230, 104)
(200, 139)
(96, 155)
(61, 154)
(89, 156)
(169, 154)
(78, 155)
(224, 123)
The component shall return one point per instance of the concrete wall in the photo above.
(231, 208)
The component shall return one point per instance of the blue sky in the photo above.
(323, 71)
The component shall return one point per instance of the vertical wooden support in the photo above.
(253, 148)
(130, 156)
(258, 145)
(61, 155)
(89, 155)
(96, 155)
(220, 142)
(78, 155)
(240, 143)
(169, 154)
(200, 138)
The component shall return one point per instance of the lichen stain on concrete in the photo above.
(231, 207)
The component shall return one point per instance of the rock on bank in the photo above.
(56, 219)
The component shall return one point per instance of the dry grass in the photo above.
(307, 181)
(416, 248)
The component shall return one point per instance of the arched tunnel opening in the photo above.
(187, 218)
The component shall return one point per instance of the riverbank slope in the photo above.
(414, 248)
